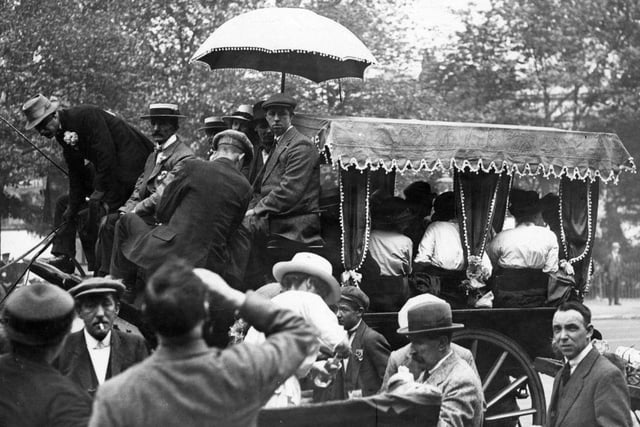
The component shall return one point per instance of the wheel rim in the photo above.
(505, 370)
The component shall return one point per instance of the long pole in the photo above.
(35, 146)
(282, 83)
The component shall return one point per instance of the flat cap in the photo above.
(279, 100)
(98, 285)
(355, 295)
(38, 314)
(235, 138)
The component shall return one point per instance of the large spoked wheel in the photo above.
(512, 388)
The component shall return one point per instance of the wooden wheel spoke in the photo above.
(513, 414)
(474, 349)
(494, 370)
(508, 389)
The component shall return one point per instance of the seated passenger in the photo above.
(388, 263)
(527, 249)
(420, 198)
(441, 245)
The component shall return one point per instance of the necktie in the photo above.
(100, 345)
(566, 373)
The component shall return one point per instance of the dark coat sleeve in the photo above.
(378, 349)
(173, 194)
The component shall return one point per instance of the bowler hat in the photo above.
(313, 265)
(163, 111)
(38, 314)
(354, 295)
(279, 100)
(213, 123)
(429, 316)
(98, 285)
(36, 109)
(244, 113)
(235, 138)
(524, 203)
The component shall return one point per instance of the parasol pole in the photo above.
(35, 147)
(282, 83)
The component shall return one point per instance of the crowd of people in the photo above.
(183, 238)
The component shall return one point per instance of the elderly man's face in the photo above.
(279, 119)
(98, 312)
(49, 126)
(265, 135)
(162, 129)
(425, 350)
(570, 334)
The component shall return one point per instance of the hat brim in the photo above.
(118, 292)
(229, 118)
(221, 127)
(157, 116)
(284, 267)
(52, 108)
(452, 327)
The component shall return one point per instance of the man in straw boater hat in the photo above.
(37, 319)
(524, 255)
(308, 289)
(212, 126)
(159, 170)
(429, 328)
(117, 152)
(198, 213)
(186, 382)
(99, 351)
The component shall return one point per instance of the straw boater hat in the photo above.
(36, 109)
(235, 138)
(213, 123)
(429, 315)
(98, 285)
(244, 113)
(38, 314)
(163, 110)
(313, 265)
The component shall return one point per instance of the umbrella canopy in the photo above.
(286, 40)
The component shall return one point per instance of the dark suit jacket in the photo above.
(256, 164)
(157, 175)
(365, 368)
(612, 266)
(74, 360)
(117, 150)
(595, 395)
(199, 211)
(287, 189)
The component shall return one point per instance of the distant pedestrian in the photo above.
(37, 318)
(187, 383)
(613, 270)
(589, 390)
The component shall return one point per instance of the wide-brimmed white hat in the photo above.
(313, 265)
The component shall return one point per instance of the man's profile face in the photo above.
(49, 126)
(279, 119)
(347, 315)
(162, 129)
(240, 125)
(570, 334)
(424, 350)
(98, 312)
(264, 134)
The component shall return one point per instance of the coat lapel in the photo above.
(356, 357)
(285, 140)
(574, 386)
(84, 371)
(115, 361)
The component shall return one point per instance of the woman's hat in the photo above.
(213, 123)
(37, 109)
(524, 203)
(313, 265)
(164, 111)
(433, 315)
(244, 113)
(390, 211)
(38, 314)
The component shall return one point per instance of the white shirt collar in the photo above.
(173, 138)
(573, 363)
(92, 343)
